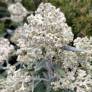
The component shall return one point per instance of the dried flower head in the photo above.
(42, 39)
(45, 33)
(5, 49)
(17, 11)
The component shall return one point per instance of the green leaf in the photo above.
(1, 28)
(60, 71)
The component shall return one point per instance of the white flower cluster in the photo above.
(17, 11)
(5, 49)
(77, 67)
(86, 44)
(82, 83)
(45, 32)
(16, 81)
(44, 36)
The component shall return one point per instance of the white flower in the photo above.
(85, 44)
(47, 30)
(81, 73)
(5, 49)
(17, 11)
(16, 81)
(44, 36)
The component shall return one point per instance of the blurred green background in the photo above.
(78, 14)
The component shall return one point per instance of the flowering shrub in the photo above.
(42, 33)
(42, 58)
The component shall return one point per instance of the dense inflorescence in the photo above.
(17, 11)
(41, 55)
(6, 50)
(16, 81)
(42, 33)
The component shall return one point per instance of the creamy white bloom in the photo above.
(5, 49)
(86, 44)
(44, 36)
(16, 81)
(46, 30)
(17, 11)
